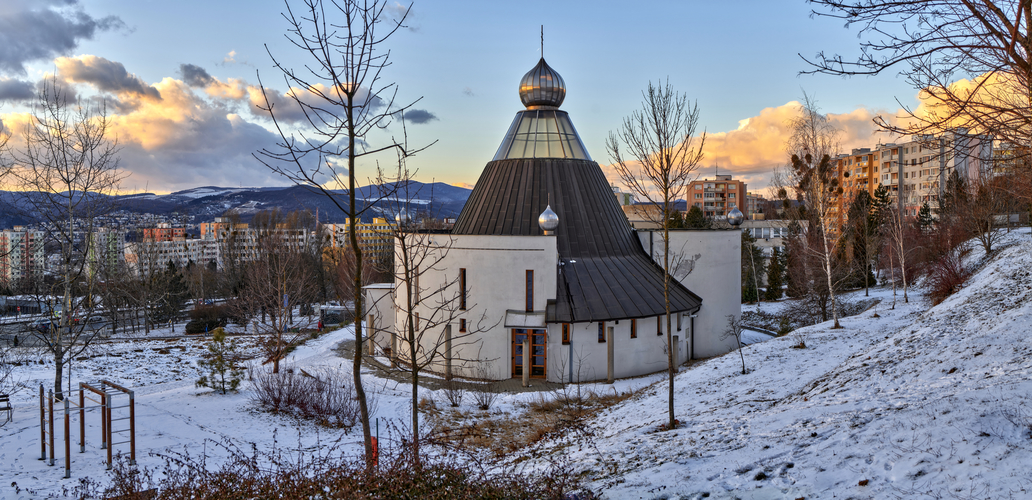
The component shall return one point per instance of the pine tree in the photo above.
(924, 218)
(796, 281)
(695, 219)
(220, 363)
(775, 275)
(752, 268)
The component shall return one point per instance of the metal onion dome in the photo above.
(548, 220)
(542, 86)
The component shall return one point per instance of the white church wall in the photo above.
(632, 356)
(717, 278)
(379, 303)
(495, 273)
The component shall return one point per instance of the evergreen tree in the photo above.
(752, 268)
(775, 275)
(220, 363)
(172, 294)
(924, 218)
(796, 280)
(695, 219)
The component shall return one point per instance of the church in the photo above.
(542, 275)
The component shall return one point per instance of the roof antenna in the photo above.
(542, 41)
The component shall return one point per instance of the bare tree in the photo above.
(66, 169)
(663, 157)
(815, 178)
(344, 100)
(281, 275)
(735, 329)
(935, 43)
(902, 238)
(437, 322)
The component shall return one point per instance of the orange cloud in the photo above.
(757, 146)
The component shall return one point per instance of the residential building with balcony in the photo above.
(21, 253)
(716, 197)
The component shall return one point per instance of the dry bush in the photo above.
(286, 475)
(327, 396)
(454, 393)
(945, 275)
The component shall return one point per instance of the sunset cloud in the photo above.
(757, 146)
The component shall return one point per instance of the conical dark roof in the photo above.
(605, 274)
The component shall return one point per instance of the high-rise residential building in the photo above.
(375, 238)
(916, 169)
(21, 253)
(106, 251)
(164, 232)
(716, 197)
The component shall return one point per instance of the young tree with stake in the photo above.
(663, 157)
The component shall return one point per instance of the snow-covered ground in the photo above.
(915, 402)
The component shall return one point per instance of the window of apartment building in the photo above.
(720, 186)
(634, 328)
(566, 334)
(698, 204)
(731, 195)
(462, 325)
(601, 332)
(895, 176)
(709, 185)
(698, 186)
(462, 288)
(710, 195)
(698, 196)
(530, 290)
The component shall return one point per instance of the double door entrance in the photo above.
(537, 354)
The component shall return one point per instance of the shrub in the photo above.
(206, 318)
(945, 275)
(221, 364)
(305, 475)
(327, 396)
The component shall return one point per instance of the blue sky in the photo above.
(738, 59)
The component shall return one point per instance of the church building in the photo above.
(542, 272)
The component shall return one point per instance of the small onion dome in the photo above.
(542, 86)
(548, 220)
(735, 217)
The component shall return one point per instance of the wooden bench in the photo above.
(5, 405)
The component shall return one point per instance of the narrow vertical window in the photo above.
(530, 290)
(462, 325)
(634, 328)
(566, 333)
(415, 293)
(417, 321)
(601, 332)
(659, 325)
(462, 288)
(679, 316)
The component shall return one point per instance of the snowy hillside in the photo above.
(916, 403)
(910, 402)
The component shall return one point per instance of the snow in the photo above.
(915, 401)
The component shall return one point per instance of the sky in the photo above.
(180, 79)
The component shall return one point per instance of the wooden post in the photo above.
(107, 431)
(526, 360)
(447, 352)
(610, 356)
(82, 419)
(132, 428)
(50, 423)
(67, 442)
(370, 335)
(42, 426)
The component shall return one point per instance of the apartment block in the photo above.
(374, 238)
(21, 253)
(716, 197)
(164, 232)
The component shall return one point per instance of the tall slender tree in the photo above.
(343, 100)
(664, 154)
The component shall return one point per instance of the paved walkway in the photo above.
(346, 350)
